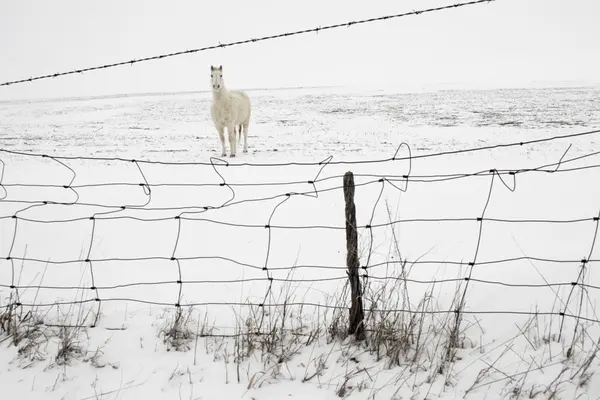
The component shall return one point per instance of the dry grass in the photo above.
(177, 332)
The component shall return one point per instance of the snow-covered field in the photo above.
(182, 237)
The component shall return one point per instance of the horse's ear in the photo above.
(212, 68)
(221, 67)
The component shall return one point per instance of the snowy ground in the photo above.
(496, 354)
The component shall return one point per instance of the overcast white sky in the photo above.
(503, 43)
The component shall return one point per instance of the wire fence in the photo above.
(218, 241)
(245, 41)
(30, 214)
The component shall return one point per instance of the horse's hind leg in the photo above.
(245, 126)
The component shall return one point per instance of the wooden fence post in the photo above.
(356, 327)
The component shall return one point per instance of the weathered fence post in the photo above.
(356, 311)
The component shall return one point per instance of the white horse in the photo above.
(230, 109)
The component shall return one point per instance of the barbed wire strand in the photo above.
(243, 42)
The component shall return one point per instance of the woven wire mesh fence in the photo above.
(243, 242)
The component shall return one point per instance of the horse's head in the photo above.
(216, 76)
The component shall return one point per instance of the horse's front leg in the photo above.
(221, 130)
(232, 141)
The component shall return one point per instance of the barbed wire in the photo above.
(243, 42)
(97, 293)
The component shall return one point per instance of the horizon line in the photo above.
(433, 87)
